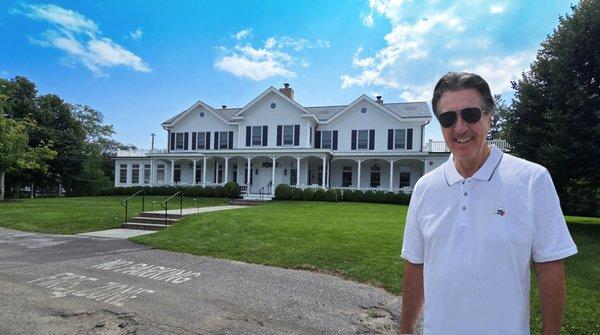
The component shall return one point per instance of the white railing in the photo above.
(440, 146)
(406, 190)
(139, 152)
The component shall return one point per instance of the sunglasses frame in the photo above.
(456, 113)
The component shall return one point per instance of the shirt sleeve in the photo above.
(551, 240)
(413, 243)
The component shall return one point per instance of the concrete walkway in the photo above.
(127, 233)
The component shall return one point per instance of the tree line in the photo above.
(48, 145)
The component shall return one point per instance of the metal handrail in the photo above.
(260, 193)
(125, 203)
(165, 205)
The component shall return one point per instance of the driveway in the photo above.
(55, 284)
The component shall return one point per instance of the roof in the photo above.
(324, 113)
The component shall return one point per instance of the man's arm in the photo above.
(551, 288)
(412, 296)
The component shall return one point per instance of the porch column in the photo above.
(204, 171)
(226, 169)
(194, 174)
(248, 174)
(152, 173)
(298, 170)
(392, 160)
(323, 180)
(359, 161)
(274, 158)
(172, 172)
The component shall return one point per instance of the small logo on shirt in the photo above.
(500, 211)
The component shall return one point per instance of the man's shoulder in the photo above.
(431, 178)
(522, 167)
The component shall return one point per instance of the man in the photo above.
(475, 223)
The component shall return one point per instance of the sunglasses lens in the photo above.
(471, 114)
(447, 119)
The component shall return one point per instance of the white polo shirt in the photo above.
(476, 237)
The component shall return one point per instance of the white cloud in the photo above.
(137, 34)
(496, 9)
(275, 58)
(80, 39)
(367, 20)
(240, 35)
(499, 71)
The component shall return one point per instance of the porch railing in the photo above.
(440, 146)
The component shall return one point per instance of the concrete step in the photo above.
(265, 197)
(150, 219)
(159, 215)
(246, 202)
(144, 226)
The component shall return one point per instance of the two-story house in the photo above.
(367, 144)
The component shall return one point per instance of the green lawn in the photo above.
(360, 242)
(78, 215)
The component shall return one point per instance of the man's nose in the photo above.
(460, 126)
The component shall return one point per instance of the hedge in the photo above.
(285, 192)
(188, 191)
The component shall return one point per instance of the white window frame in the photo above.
(201, 136)
(160, 173)
(358, 139)
(283, 133)
(123, 177)
(146, 179)
(135, 173)
(177, 141)
(253, 133)
(330, 133)
(395, 138)
(221, 137)
(400, 179)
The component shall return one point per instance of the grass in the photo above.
(79, 215)
(360, 242)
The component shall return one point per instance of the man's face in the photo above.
(466, 141)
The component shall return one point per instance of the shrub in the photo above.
(390, 197)
(231, 190)
(379, 197)
(283, 192)
(320, 194)
(347, 195)
(368, 196)
(208, 191)
(402, 198)
(332, 195)
(308, 194)
(218, 192)
(358, 196)
(297, 193)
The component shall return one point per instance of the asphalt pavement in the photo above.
(57, 284)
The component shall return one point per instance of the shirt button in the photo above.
(465, 194)
(464, 208)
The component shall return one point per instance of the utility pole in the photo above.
(152, 145)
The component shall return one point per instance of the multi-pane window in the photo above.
(293, 177)
(404, 179)
(123, 174)
(288, 135)
(400, 139)
(177, 173)
(146, 173)
(362, 140)
(160, 173)
(223, 140)
(375, 176)
(179, 139)
(198, 174)
(135, 173)
(201, 141)
(257, 135)
(326, 139)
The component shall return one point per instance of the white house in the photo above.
(367, 144)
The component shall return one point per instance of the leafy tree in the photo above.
(16, 154)
(500, 112)
(554, 117)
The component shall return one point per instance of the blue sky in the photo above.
(141, 62)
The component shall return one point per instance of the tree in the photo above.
(16, 154)
(554, 117)
(500, 112)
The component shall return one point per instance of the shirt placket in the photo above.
(464, 202)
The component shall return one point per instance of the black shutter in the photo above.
(186, 139)
(216, 145)
(265, 135)
(353, 144)
(279, 134)
(230, 146)
(207, 142)
(248, 134)
(390, 139)
(409, 139)
(371, 139)
(194, 141)
(317, 139)
(297, 135)
(335, 135)
(172, 141)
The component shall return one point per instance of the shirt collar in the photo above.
(484, 173)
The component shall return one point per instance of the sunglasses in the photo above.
(469, 114)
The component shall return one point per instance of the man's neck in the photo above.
(468, 167)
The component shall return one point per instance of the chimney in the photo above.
(287, 91)
(379, 100)
(223, 106)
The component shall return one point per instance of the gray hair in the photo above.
(454, 81)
